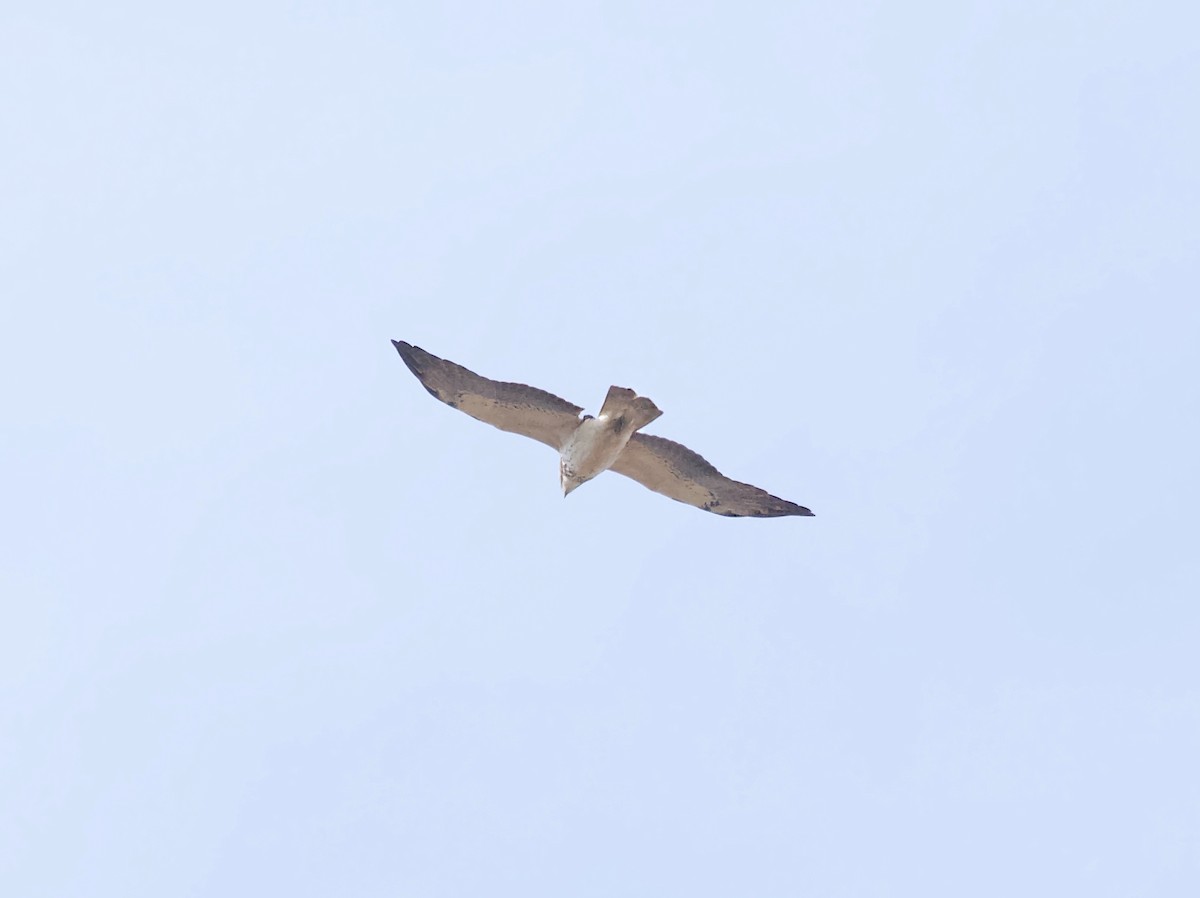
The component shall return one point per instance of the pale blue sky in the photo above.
(278, 623)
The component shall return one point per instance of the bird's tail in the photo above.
(626, 408)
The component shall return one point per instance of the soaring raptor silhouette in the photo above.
(590, 445)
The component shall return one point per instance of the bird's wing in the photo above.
(678, 472)
(513, 407)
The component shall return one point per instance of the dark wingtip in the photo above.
(784, 508)
(418, 362)
(409, 353)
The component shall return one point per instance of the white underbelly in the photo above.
(593, 448)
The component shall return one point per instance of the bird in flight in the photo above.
(589, 445)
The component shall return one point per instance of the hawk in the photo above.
(589, 445)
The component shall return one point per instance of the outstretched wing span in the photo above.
(516, 408)
(676, 471)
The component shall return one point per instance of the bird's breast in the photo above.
(593, 447)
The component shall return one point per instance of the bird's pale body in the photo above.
(592, 449)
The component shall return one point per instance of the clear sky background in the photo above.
(275, 622)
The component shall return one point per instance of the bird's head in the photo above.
(569, 480)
